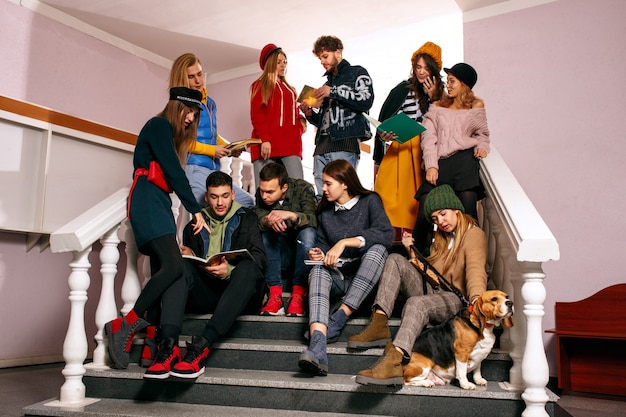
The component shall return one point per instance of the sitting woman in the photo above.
(352, 225)
(459, 253)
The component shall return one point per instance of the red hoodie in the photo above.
(279, 122)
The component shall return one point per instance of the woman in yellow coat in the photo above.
(399, 171)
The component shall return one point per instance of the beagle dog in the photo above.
(459, 345)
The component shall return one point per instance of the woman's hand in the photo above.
(407, 240)
(430, 85)
(432, 175)
(387, 136)
(330, 259)
(199, 223)
(480, 153)
(266, 150)
(316, 254)
(221, 151)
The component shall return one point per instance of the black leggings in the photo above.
(167, 268)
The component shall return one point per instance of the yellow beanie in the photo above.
(431, 49)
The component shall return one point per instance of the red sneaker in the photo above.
(297, 301)
(192, 364)
(168, 355)
(274, 305)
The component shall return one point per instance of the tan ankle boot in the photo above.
(386, 371)
(376, 334)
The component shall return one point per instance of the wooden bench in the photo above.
(591, 342)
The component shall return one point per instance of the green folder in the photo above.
(402, 125)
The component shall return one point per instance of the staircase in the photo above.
(254, 372)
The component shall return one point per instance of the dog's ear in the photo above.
(508, 321)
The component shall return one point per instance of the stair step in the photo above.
(111, 407)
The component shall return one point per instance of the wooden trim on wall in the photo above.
(46, 115)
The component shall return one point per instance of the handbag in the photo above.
(156, 177)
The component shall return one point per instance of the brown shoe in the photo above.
(376, 334)
(386, 371)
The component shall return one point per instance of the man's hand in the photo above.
(322, 92)
(277, 219)
(219, 271)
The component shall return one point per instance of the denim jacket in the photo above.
(351, 94)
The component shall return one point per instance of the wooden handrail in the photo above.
(50, 116)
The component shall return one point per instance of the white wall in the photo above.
(553, 82)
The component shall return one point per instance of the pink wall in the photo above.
(52, 65)
(553, 82)
(233, 108)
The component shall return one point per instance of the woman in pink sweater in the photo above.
(455, 140)
(276, 118)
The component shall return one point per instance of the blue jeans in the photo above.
(283, 252)
(320, 161)
(197, 175)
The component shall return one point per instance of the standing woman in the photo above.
(455, 140)
(276, 118)
(352, 224)
(162, 145)
(400, 172)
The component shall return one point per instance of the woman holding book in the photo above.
(399, 171)
(209, 147)
(455, 140)
(275, 115)
(162, 145)
(458, 252)
(352, 227)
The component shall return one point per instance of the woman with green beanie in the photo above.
(458, 252)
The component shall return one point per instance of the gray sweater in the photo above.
(367, 218)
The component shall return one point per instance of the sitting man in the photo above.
(223, 289)
(286, 209)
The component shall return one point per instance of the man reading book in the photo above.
(224, 289)
(286, 210)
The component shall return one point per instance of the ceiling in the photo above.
(231, 33)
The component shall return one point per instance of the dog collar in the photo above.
(488, 325)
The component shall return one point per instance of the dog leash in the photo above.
(429, 271)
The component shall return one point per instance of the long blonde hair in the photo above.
(439, 249)
(267, 81)
(175, 112)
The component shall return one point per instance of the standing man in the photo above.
(209, 147)
(347, 93)
(224, 289)
(287, 219)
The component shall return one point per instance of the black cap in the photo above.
(188, 96)
(465, 73)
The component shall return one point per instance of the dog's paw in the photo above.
(480, 381)
(467, 385)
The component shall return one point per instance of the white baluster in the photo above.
(131, 287)
(535, 364)
(75, 344)
(107, 310)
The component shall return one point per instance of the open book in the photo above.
(401, 125)
(307, 96)
(241, 144)
(232, 256)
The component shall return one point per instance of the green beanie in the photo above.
(440, 198)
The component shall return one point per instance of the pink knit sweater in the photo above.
(449, 131)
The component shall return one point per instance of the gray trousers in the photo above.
(324, 281)
(420, 309)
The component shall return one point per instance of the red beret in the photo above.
(267, 50)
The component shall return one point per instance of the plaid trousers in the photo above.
(432, 308)
(326, 283)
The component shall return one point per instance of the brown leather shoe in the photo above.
(376, 334)
(386, 371)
